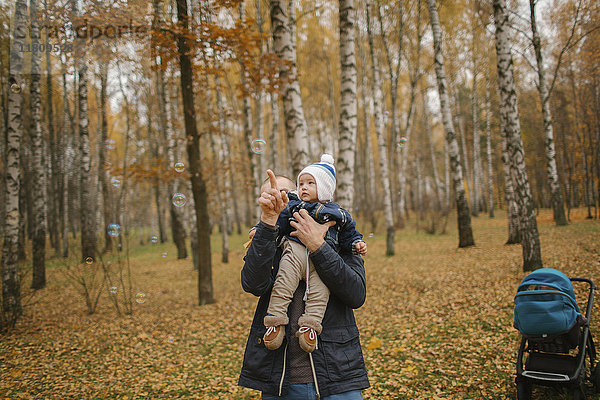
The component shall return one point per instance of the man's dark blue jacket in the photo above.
(338, 359)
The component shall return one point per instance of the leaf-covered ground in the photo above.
(437, 323)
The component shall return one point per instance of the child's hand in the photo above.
(251, 233)
(361, 248)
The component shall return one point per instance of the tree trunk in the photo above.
(102, 170)
(65, 163)
(38, 170)
(488, 135)
(476, 151)
(274, 139)
(512, 209)
(11, 287)
(532, 257)
(383, 161)
(458, 118)
(436, 178)
(295, 124)
(223, 188)
(348, 117)
(369, 164)
(205, 287)
(555, 191)
(465, 232)
(87, 213)
(54, 190)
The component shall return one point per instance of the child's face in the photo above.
(307, 188)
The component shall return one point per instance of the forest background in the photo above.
(128, 124)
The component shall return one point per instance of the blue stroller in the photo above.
(555, 335)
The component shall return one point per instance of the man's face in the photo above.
(285, 184)
(307, 189)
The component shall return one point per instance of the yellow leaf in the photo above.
(375, 343)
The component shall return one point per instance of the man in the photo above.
(336, 369)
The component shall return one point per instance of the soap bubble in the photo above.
(110, 144)
(179, 200)
(402, 141)
(164, 255)
(115, 182)
(113, 290)
(89, 260)
(179, 167)
(114, 230)
(154, 239)
(140, 298)
(171, 339)
(258, 146)
(371, 234)
(15, 88)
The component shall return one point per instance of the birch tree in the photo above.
(544, 92)
(348, 116)
(383, 161)
(465, 232)
(86, 214)
(37, 145)
(102, 171)
(295, 124)
(11, 286)
(476, 149)
(509, 114)
(488, 146)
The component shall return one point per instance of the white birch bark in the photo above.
(274, 139)
(295, 124)
(509, 113)
(465, 232)
(458, 118)
(476, 151)
(383, 161)
(348, 117)
(488, 135)
(514, 233)
(11, 287)
(88, 234)
(37, 147)
(557, 200)
(222, 178)
(436, 177)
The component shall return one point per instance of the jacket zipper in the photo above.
(283, 372)
(317, 212)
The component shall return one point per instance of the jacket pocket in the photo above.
(258, 360)
(342, 353)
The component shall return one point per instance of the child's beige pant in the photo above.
(292, 268)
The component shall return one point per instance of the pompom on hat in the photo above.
(324, 174)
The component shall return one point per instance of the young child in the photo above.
(316, 184)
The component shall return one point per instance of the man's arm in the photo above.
(344, 274)
(256, 273)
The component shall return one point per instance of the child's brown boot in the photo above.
(307, 337)
(274, 337)
(275, 333)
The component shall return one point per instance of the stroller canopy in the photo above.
(550, 308)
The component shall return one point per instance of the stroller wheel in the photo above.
(524, 390)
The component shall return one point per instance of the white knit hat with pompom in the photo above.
(324, 174)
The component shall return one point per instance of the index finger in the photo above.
(272, 179)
